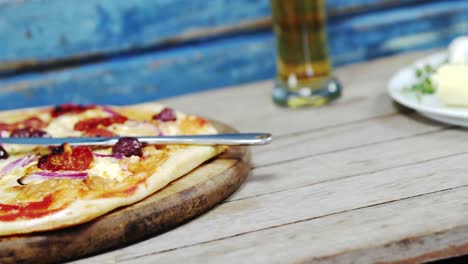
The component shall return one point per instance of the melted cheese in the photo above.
(169, 129)
(15, 149)
(10, 178)
(63, 126)
(134, 128)
(151, 151)
(107, 168)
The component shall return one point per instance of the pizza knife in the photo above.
(215, 139)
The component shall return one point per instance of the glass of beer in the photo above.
(305, 74)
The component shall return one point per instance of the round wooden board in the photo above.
(182, 200)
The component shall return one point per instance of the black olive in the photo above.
(167, 114)
(3, 153)
(27, 132)
(127, 146)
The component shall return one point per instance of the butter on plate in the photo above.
(458, 51)
(451, 81)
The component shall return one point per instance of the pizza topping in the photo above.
(21, 162)
(115, 155)
(99, 132)
(31, 206)
(31, 122)
(93, 123)
(60, 149)
(201, 122)
(127, 146)
(108, 168)
(6, 127)
(44, 175)
(167, 114)
(62, 174)
(152, 150)
(109, 110)
(134, 128)
(27, 132)
(29, 210)
(70, 108)
(66, 158)
(3, 153)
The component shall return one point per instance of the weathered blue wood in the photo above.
(43, 30)
(402, 29)
(233, 60)
(39, 31)
(343, 7)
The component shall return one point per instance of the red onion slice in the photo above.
(115, 156)
(28, 160)
(110, 111)
(21, 162)
(62, 174)
(45, 175)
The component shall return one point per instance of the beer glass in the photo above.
(304, 72)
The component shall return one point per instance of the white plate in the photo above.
(428, 105)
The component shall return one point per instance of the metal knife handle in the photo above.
(216, 139)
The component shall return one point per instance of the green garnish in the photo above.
(424, 84)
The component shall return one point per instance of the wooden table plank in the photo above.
(389, 232)
(355, 161)
(348, 186)
(311, 201)
(376, 130)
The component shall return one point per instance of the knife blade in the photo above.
(215, 139)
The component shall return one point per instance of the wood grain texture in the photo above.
(36, 31)
(182, 200)
(358, 181)
(295, 205)
(370, 235)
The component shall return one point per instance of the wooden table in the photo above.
(361, 180)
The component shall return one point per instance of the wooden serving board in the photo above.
(180, 201)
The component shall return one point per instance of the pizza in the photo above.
(47, 188)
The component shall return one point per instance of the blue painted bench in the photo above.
(119, 51)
